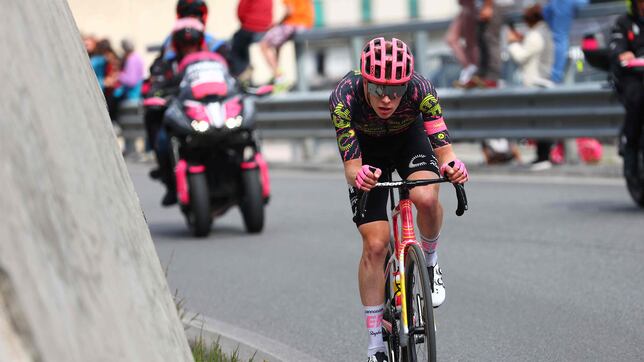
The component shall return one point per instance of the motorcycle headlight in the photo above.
(234, 122)
(200, 126)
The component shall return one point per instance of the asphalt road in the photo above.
(538, 269)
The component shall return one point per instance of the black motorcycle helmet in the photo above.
(192, 8)
(187, 32)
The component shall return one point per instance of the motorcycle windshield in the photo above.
(206, 79)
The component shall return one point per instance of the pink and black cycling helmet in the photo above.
(387, 62)
(192, 8)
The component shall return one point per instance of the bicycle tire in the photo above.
(420, 313)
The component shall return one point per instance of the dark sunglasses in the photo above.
(391, 91)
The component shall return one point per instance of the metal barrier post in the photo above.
(421, 39)
(357, 42)
(302, 83)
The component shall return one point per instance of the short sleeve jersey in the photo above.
(352, 115)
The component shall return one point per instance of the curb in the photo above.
(247, 344)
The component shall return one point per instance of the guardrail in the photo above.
(588, 110)
(585, 110)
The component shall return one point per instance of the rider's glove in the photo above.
(455, 165)
(367, 177)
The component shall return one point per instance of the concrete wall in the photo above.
(79, 276)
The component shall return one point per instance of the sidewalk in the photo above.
(280, 155)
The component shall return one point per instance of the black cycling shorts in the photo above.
(406, 152)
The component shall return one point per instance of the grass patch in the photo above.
(203, 352)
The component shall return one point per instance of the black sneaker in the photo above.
(170, 198)
(378, 357)
(155, 174)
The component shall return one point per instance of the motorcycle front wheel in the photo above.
(199, 214)
(252, 201)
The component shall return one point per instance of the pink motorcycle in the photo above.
(217, 160)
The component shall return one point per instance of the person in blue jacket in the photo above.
(559, 15)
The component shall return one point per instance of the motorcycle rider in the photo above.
(187, 38)
(627, 43)
(199, 10)
(153, 116)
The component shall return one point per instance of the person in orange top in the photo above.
(299, 16)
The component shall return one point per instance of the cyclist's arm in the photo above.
(345, 134)
(619, 39)
(433, 121)
(351, 169)
(445, 154)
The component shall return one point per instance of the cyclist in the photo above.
(627, 43)
(385, 114)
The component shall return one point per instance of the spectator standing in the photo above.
(534, 53)
(299, 16)
(256, 17)
(461, 38)
(97, 60)
(132, 72)
(559, 15)
(112, 70)
(490, 21)
(129, 79)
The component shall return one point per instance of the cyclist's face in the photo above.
(383, 104)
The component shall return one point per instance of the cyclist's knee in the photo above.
(426, 201)
(374, 251)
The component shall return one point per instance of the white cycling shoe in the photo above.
(438, 288)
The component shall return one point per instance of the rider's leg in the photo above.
(166, 168)
(429, 220)
(371, 279)
(429, 216)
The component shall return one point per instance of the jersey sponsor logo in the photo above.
(413, 164)
(344, 137)
(341, 116)
(430, 106)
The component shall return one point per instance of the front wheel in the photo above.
(199, 214)
(636, 190)
(252, 201)
(420, 314)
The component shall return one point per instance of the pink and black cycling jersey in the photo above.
(353, 116)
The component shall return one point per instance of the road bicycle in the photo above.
(408, 320)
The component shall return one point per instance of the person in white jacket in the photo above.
(534, 51)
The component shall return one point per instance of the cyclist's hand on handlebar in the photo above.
(626, 56)
(455, 171)
(367, 177)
